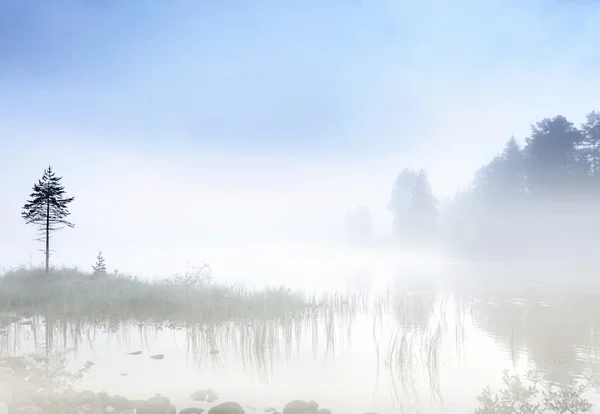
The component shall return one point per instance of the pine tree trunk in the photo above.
(47, 236)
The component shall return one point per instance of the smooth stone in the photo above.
(156, 405)
(199, 395)
(211, 395)
(119, 402)
(192, 410)
(158, 400)
(300, 407)
(229, 407)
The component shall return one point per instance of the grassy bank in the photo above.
(191, 297)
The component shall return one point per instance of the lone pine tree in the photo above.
(100, 267)
(47, 208)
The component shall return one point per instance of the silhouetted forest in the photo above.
(532, 201)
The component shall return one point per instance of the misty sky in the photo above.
(184, 124)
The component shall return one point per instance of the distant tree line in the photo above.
(543, 196)
(558, 162)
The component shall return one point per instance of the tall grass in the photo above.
(191, 297)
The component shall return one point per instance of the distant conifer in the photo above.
(100, 266)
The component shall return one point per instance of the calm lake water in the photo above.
(407, 341)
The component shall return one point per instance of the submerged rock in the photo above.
(157, 405)
(300, 407)
(157, 356)
(199, 395)
(211, 395)
(229, 407)
(120, 403)
(192, 410)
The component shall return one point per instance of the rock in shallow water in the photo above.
(120, 403)
(157, 405)
(192, 410)
(199, 395)
(229, 407)
(211, 395)
(300, 407)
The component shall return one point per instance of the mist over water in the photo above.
(365, 204)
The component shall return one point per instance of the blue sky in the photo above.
(252, 103)
(253, 76)
(310, 76)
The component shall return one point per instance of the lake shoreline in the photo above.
(191, 297)
(21, 395)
